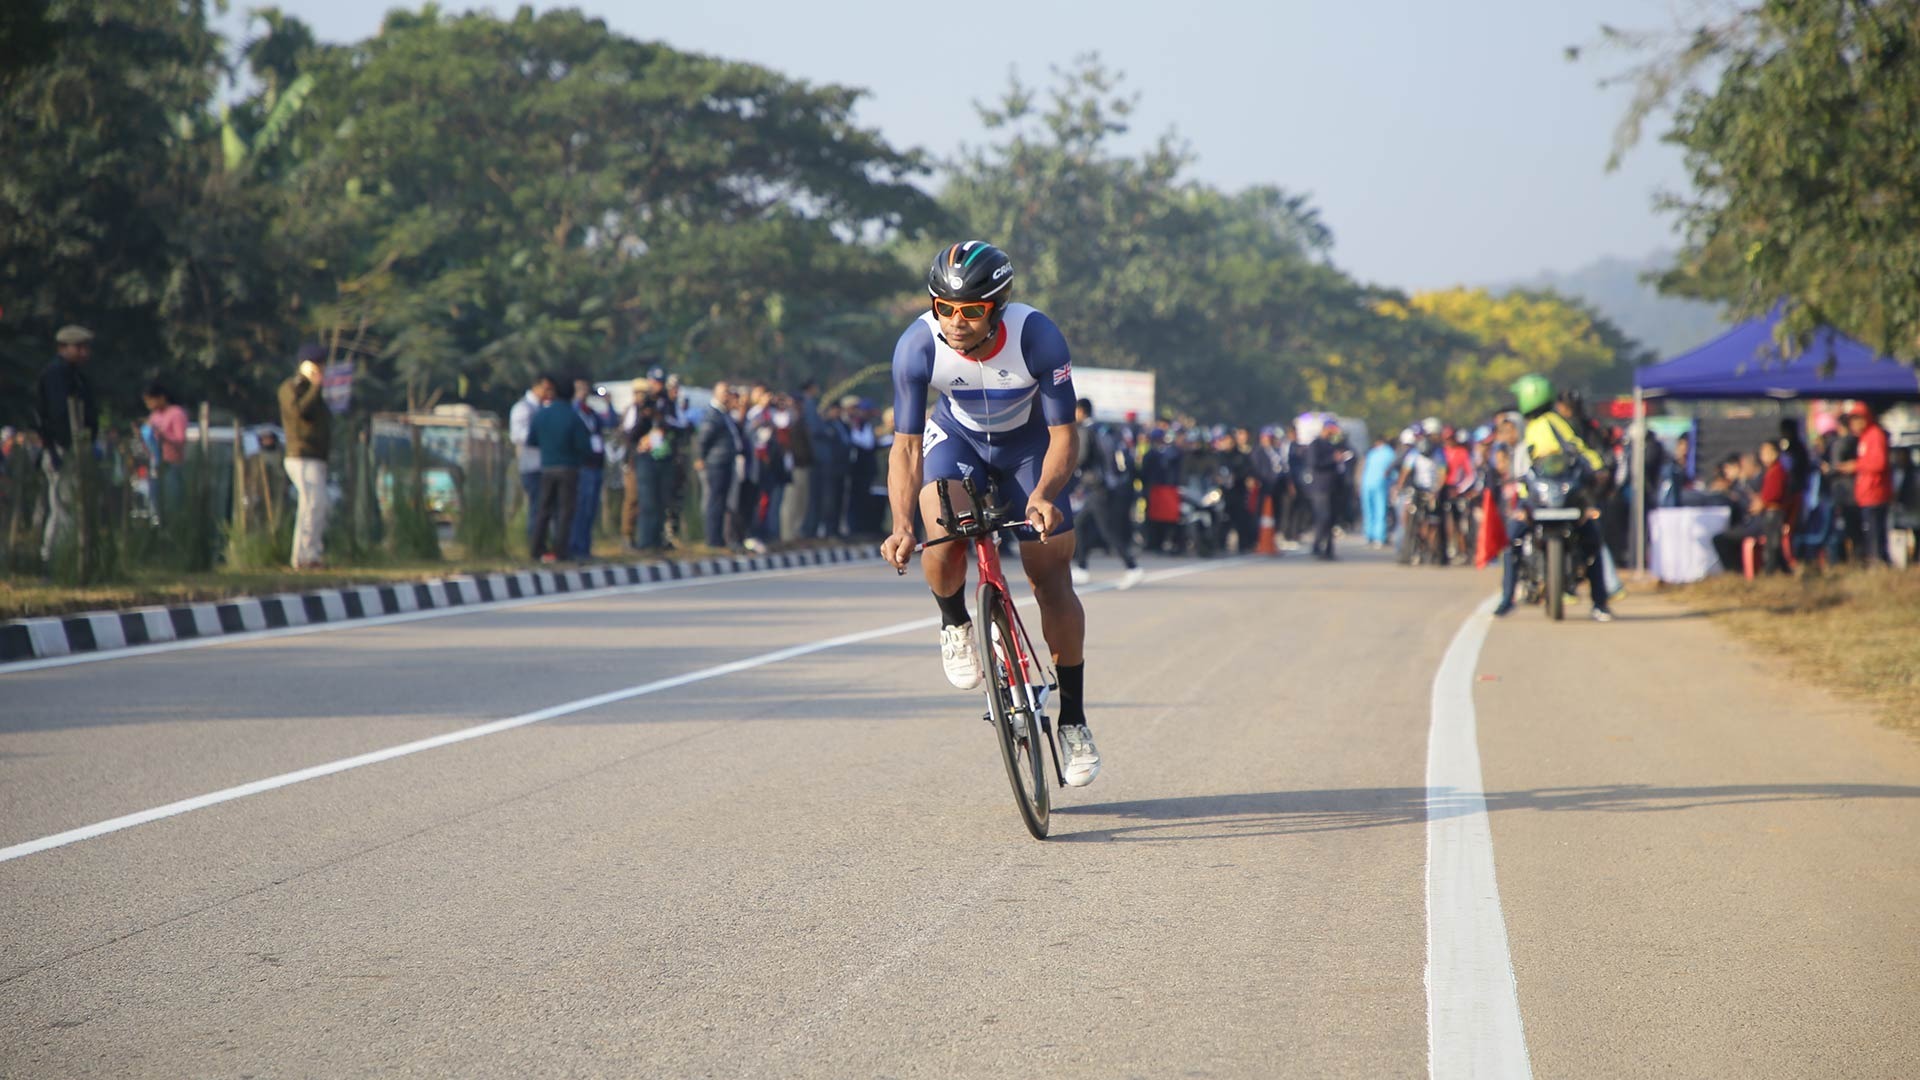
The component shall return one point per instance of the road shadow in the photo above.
(1283, 813)
(1673, 616)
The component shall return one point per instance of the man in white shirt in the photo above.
(519, 422)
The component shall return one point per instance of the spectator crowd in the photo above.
(763, 467)
(751, 467)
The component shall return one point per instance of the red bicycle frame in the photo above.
(978, 529)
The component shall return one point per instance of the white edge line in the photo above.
(1474, 1028)
(214, 640)
(214, 798)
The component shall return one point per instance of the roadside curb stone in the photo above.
(105, 632)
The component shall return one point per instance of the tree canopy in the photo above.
(1800, 120)
(462, 200)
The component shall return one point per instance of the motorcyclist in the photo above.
(1546, 433)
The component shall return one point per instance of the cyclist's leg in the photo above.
(1048, 565)
(1063, 622)
(951, 458)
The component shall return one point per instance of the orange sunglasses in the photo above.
(971, 309)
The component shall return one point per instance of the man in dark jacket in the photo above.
(309, 426)
(1320, 484)
(1160, 472)
(643, 427)
(1108, 480)
(63, 381)
(719, 449)
(564, 443)
(830, 457)
(1269, 465)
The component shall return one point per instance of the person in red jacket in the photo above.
(1872, 481)
(1767, 514)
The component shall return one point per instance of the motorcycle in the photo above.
(1556, 507)
(1203, 516)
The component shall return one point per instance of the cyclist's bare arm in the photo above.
(904, 469)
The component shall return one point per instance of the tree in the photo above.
(97, 187)
(1509, 336)
(492, 197)
(1803, 156)
(1143, 268)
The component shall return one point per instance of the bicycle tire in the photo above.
(1007, 693)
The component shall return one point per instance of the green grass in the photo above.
(1856, 632)
(30, 597)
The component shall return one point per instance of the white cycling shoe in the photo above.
(1083, 758)
(958, 657)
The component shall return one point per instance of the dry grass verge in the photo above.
(1853, 631)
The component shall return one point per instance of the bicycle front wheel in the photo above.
(1016, 722)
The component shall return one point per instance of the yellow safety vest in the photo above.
(1547, 432)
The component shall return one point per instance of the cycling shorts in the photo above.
(1010, 463)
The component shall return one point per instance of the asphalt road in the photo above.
(812, 867)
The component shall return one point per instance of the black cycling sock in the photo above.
(1072, 681)
(953, 609)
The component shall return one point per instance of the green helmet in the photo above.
(1532, 392)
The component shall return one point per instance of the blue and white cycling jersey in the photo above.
(989, 396)
(990, 419)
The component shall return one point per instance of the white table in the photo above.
(1680, 541)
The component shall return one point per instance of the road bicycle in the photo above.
(1019, 678)
(1426, 536)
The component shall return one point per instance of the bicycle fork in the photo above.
(1025, 715)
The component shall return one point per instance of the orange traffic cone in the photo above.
(1266, 546)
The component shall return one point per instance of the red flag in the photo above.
(1493, 531)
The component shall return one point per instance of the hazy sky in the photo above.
(1444, 143)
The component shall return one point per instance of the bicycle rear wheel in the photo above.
(1016, 722)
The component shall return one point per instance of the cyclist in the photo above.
(1003, 415)
(1463, 484)
(1422, 477)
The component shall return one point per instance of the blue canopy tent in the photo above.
(1744, 363)
(1741, 363)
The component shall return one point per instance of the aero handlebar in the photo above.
(981, 521)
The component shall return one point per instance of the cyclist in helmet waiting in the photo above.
(1003, 412)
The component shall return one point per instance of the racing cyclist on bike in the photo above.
(1003, 413)
(1422, 477)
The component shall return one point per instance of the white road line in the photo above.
(214, 798)
(369, 595)
(1473, 1006)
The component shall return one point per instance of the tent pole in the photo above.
(1639, 480)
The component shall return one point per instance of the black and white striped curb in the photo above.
(108, 631)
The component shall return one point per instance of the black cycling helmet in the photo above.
(972, 270)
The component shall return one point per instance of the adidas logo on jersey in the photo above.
(960, 381)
